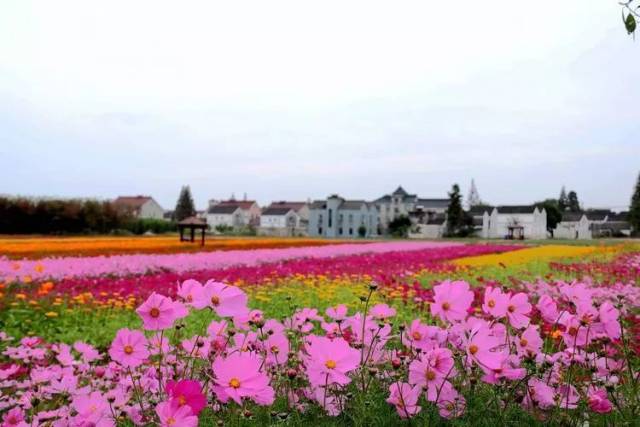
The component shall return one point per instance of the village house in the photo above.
(514, 222)
(338, 217)
(432, 227)
(285, 219)
(140, 207)
(616, 225)
(579, 225)
(233, 213)
(400, 203)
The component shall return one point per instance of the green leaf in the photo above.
(630, 24)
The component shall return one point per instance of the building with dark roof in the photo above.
(514, 222)
(233, 213)
(139, 207)
(401, 203)
(339, 217)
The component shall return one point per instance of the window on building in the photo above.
(320, 230)
(340, 218)
(330, 218)
(351, 232)
(340, 231)
(350, 218)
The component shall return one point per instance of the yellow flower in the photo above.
(21, 296)
(51, 314)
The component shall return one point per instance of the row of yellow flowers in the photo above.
(38, 247)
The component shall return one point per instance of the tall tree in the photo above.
(455, 213)
(184, 207)
(474, 197)
(563, 200)
(634, 211)
(572, 202)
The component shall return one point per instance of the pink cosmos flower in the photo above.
(197, 347)
(609, 316)
(451, 300)
(159, 312)
(173, 415)
(518, 308)
(405, 399)
(190, 290)
(548, 309)
(432, 371)
(187, 392)
(92, 409)
(338, 312)
(451, 404)
(329, 361)
(567, 396)
(382, 312)
(239, 376)
(495, 302)
(277, 349)
(480, 348)
(529, 342)
(88, 352)
(129, 348)
(599, 401)
(225, 300)
(540, 393)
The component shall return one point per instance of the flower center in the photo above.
(215, 300)
(473, 349)
(330, 364)
(430, 375)
(523, 342)
(416, 336)
(275, 350)
(128, 349)
(154, 312)
(491, 303)
(234, 382)
(182, 400)
(171, 421)
(573, 331)
(450, 406)
(189, 298)
(446, 306)
(511, 308)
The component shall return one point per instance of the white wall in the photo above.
(151, 210)
(496, 225)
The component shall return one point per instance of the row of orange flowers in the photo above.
(40, 247)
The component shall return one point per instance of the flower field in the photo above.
(379, 333)
(35, 248)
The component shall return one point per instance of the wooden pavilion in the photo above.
(192, 224)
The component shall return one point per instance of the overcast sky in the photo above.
(298, 99)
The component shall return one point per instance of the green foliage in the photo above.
(458, 222)
(572, 202)
(184, 206)
(58, 216)
(399, 227)
(156, 226)
(634, 211)
(554, 213)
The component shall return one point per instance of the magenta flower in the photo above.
(187, 392)
(609, 319)
(405, 399)
(159, 312)
(599, 401)
(541, 393)
(277, 349)
(129, 348)
(517, 310)
(239, 376)
(529, 342)
(451, 300)
(329, 361)
(495, 302)
(225, 300)
(451, 404)
(173, 415)
(14, 418)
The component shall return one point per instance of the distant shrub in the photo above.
(156, 226)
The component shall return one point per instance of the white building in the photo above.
(433, 228)
(141, 207)
(579, 225)
(233, 213)
(514, 222)
(284, 219)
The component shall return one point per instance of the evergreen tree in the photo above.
(184, 207)
(455, 213)
(634, 211)
(474, 197)
(572, 202)
(563, 200)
